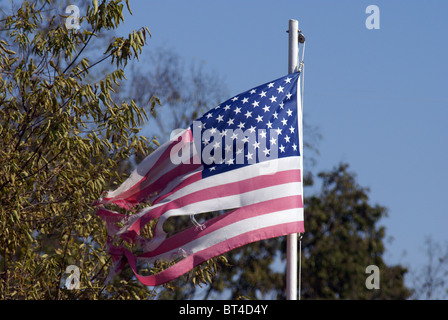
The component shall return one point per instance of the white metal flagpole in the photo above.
(291, 240)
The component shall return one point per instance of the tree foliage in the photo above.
(343, 238)
(62, 139)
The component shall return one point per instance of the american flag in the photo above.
(244, 156)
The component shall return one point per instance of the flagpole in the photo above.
(291, 240)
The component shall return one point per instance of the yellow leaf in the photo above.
(155, 142)
(95, 6)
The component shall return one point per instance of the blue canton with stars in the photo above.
(258, 125)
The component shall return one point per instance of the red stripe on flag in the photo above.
(184, 183)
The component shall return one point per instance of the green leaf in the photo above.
(128, 6)
(95, 6)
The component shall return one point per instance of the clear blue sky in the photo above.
(378, 97)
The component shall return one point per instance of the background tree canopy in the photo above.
(70, 128)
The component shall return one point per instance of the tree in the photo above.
(184, 91)
(62, 139)
(429, 281)
(342, 239)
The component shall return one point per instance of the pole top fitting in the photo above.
(301, 37)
